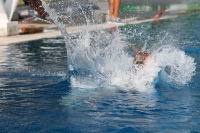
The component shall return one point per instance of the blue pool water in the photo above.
(38, 93)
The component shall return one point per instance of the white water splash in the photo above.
(177, 66)
(99, 59)
(111, 65)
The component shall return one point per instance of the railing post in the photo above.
(8, 28)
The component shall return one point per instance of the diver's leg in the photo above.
(112, 9)
(116, 8)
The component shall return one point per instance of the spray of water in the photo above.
(108, 63)
(175, 65)
(99, 58)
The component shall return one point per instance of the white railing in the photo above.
(7, 8)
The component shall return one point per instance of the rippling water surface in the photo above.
(37, 96)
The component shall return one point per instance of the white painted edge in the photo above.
(70, 30)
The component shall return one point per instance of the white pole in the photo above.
(10, 7)
(3, 14)
(8, 28)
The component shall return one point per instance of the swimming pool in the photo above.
(37, 96)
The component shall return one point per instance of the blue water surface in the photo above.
(35, 95)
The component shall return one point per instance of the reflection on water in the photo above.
(35, 56)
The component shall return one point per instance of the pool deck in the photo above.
(52, 31)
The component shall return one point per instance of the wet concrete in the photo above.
(42, 30)
(157, 2)
(70, 30)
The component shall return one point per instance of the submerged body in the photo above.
(141, 58)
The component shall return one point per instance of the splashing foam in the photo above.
(98, 58)
(175, 64)
(110, 65)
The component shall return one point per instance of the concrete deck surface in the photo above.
(156, 2)
(70, 30)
